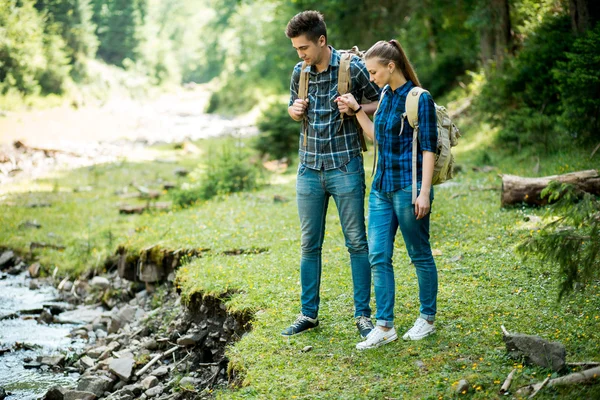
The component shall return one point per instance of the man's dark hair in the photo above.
(309, 23)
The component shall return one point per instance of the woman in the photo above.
(390, 201)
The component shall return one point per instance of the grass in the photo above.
(482, 282)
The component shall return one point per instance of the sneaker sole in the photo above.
(378, 344)
(405, 337)
(298, 333)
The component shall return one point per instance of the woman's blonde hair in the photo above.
(391, 51)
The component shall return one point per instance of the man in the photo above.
(331, 165)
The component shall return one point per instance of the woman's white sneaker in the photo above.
(376, 338)
(420, 329)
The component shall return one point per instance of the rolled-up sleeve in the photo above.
(427, 123)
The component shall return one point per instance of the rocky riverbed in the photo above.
(105, 337)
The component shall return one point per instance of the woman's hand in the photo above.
(422, 205)
(347, 104)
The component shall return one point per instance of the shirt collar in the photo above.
(334, 60)
(400, 91)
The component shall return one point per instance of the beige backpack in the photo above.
(448, 135)
(344, 86)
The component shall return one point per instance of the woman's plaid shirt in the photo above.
(329, 147)
(394, 166)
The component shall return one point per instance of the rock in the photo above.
(306, 349)
(136, 389)
(421, 365)
(34, 270)
(65, 286)
(95, 384)
(86, 362)
(31, 365)
(99, 282)
(181, 172)
(97, 351)
(463, 386)
(34, 285)
(160, 371)
(46, 317)
(193, 339)
(149, 382)
(53, 361)
(122, 367)
(78, 395)
(189, 381)
(7, 259)
(155, 391)
(536, 350)
(150, 344)
(55, 393)
(2, 393)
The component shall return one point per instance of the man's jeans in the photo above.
(314, 188)
(387, 211)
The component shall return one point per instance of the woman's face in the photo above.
(379, 74)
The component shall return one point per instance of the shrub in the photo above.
(579, 86)
(279, 133)
(523, 99)
(229, 173)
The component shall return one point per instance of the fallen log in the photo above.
(517, 189)
(506, 385)
(571, 379)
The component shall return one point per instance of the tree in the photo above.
(585, 14)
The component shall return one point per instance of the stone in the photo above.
(463, 386)
(160, 371)
(188, 381)
(114, 325)
(55, 393)
(122, 367)
(53, 361)
(46, 317)
(97, 351)
(2, 393)
(193, 339)
(150, 344)
(86, 362)
(155, 391)
(536, 350)
(34, 285)
(34, 270)
(32, 365)
(128, 313)
(99, 282)
(136, 389)
(7, 259)
(149, 382)
(78, 395)
(95, 384)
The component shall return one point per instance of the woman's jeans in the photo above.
(387, 211)
(347, 187)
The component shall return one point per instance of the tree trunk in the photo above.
(496, 33)
(516, 189)
(584, 14)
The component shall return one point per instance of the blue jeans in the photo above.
(387, 211)
(347, 187)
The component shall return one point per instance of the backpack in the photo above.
(448, 135)
(344, 86)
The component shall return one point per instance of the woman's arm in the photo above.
(365, 122)
(422, 204)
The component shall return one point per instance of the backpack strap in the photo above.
(412, 114)
(303, 94)
(345, 86)
(374, 135)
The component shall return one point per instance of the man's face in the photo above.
(309, 51)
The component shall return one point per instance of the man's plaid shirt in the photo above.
(394, 165)
(329, 147)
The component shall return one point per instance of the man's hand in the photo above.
(298, 109)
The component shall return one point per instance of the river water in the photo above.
(23, 333)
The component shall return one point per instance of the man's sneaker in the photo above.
(376, 338)
(302, 324)
(420, 329)
(364, 325)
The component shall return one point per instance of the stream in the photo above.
(26, 339)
